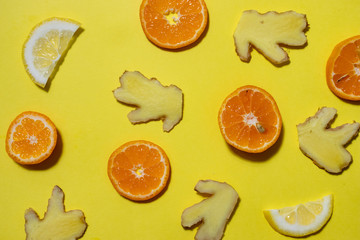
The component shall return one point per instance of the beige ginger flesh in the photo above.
(213, 212)
(324, 145)
(56, 224)
(268, 33)
(152, 100)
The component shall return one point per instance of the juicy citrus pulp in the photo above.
(250, 120)
(31, 138)
(343, 69)
(302, 219)
(45, 45)
(172, 23)
(139, 170)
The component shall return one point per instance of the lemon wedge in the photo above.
(45, 46)
(303, 219)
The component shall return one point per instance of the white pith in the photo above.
(250, 119)
(173, 15)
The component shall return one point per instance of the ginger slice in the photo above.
(153, 101)
(267, 31)
(214, 212)
(56, 224)
(324, 145)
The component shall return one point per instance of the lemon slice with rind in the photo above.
(303, 219)
(45, 46)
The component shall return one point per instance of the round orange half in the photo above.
(139, 170)
(31, 138)
(343, 69)
(173, 24)
(250, 120)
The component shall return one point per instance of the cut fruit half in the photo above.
(45, 45)
(250, 120)
(343, 69)
(303, 219)
(173, 24)
(139, 170)
(31, 138)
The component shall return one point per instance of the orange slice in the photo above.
(250, 120)
(172, 23)
(343, 69)
(31, 138)
(139, 170)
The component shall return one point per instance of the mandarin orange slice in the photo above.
(31, 138)
(139, 170)
(343, 69)
(250, 120)
(173, 24)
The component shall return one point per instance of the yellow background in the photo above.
(92, 124)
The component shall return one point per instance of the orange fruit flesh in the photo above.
(347, 69)
(343, 69)
(140, 175)
(36, 144)
(173, 23)
(31, 138)
(139, 170)
(250, 120)
(242, 117)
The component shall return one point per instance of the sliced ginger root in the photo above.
(56, 224)
(214, 212)
(153, 100)
(324, 145)
(266, 32)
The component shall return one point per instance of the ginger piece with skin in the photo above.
(324, 145)
(268, 32)
(214, 212)
(153, 101)
(56, 224)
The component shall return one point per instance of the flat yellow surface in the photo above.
(92, 124)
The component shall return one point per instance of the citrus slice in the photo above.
(45, 45)
(343, 69)
(139, 170)
(303, 219)
(31, 138)
(250, 120)
(173, 24)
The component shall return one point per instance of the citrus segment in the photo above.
(31, 138)
(343, 69)
(250, 120)
(173, 24)
(139, 170)
(45, 46)
(303, 219)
